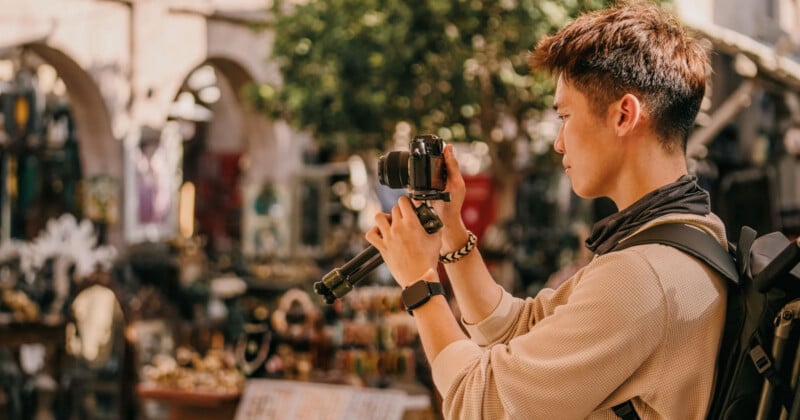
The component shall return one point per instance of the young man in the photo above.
(642, 324)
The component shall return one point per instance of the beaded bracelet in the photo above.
(456, 255)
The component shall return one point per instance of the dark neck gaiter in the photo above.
(682, 196)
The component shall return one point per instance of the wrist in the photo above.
(419, 293)
(454, 238)
(430, 275)
(454, 256)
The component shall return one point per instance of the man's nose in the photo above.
(558, 145)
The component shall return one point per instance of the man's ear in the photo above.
(627, 114)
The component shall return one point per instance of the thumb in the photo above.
(450, 160)
(454, 177)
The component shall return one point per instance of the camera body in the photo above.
(421, 169)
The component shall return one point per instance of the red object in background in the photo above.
(218, 194)
(480, 203)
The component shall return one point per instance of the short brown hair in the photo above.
(637, 48)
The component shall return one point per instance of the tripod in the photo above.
(339, 281)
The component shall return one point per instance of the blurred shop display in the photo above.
(61, 317)
(152, 179)
(365, 341)
(39, 275)
(41, 169)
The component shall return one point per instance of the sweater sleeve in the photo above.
(493, 327)
(569, 361)
(505, 323)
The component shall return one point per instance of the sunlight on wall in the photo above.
(695, 10)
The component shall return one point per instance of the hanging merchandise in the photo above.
(19, 113)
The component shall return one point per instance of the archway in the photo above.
(99, 154)
(68, 141)
(217, 130)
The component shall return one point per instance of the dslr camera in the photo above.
(422, 171)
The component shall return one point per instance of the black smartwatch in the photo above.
(420, 292)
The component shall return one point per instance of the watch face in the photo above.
(416, 294)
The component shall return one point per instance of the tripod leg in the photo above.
(794, 414)
(340, 280)
(345, 286)
(786, 318)
(355, 264)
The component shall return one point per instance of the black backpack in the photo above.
(759, 359)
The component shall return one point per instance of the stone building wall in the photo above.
(124, 61)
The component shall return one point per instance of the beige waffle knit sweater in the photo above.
(643, 324)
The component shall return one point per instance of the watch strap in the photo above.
(434, 288)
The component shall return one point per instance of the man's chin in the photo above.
(584, 193)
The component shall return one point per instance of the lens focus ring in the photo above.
(393, 169)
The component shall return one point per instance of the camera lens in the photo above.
(393, 169)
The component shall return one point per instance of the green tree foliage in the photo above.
(352, 69)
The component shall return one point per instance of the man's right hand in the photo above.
(454, 233)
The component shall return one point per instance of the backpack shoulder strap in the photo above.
(690, 240)
(625, 411)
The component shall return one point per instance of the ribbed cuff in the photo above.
(451, 361)
(493, 326)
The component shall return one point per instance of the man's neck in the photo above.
(647, 172)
